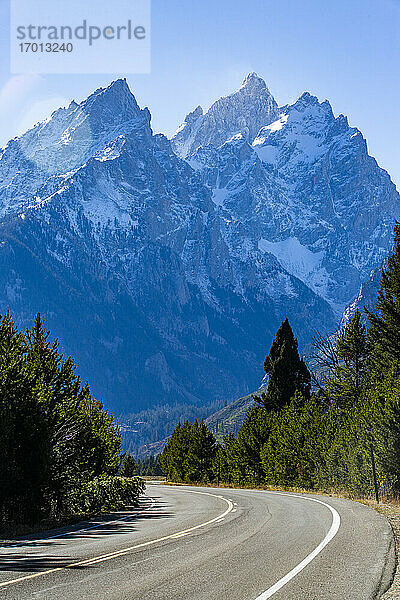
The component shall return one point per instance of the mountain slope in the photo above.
(167, 277)
(230, 418)
(116, 241)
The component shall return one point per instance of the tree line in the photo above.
(331, 424)
(60, 450)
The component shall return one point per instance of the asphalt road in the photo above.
(191, 543)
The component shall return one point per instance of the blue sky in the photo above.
(347, 51)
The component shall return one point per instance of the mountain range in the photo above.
(165, 266)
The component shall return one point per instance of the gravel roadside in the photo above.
(392, 513)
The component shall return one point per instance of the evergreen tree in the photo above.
(287, 372)
(17, 424)
(58, 445)
(251, 437)
(174, 459)
(189, 454)
(202, 453)
(294, 452)
(384, 332)
(150, 465)
(349, 375)
(232, 465)
(128, 466)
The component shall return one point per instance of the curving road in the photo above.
(191, 543)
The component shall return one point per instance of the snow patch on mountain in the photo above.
(219, 196)
(306, 177)
(299, 133)
(300, 261)
(293, 256)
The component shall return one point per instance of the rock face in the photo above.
(165, 267)
(307, 191)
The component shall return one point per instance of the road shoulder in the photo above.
(392, 513)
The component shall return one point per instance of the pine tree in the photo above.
(294, 451)
(174, 459)
(17, 427)
(150, 465)
(189, 454)
(252, 435)
(202, 452)
(350, 373)
(55, 438)
(128, 466)
(287, 372)
(384, 332)
(232, 467)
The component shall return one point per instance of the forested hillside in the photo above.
(143, 431)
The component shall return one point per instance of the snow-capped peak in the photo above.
(244, 112)
(66, 140)
(72, 134)
(301, 184)
(307, 102)
(114, 104)
(194, 115)
(252, 80)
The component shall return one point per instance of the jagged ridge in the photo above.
(165, 277)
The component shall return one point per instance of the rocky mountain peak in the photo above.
(113, 105)
(66, 140)
(302, 188)
(253, 82)
(244, 112)
(194, 115)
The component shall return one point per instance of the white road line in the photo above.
(296, 570)
(73, 531)
(104, 557)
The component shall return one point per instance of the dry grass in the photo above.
(273, 488)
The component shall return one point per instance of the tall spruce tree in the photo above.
(233, 467)
(18, 435)
(129, 466)
(189, 453)
(175, 456)
(287, 372)
(384, 332)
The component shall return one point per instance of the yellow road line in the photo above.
(104, 557)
